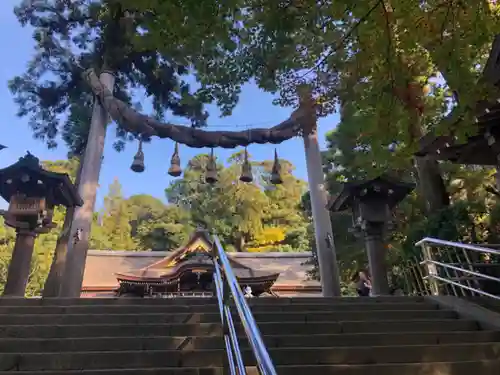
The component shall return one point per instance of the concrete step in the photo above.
(10, 301)
(436, 368)
(162, 318)
(486, 302)
(280, 356)
(15, 345)
(176, 309)
(210, 329)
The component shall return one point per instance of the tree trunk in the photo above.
(82, 219)
(430, 184)
(52, 286)
(53, 283)
(241, 243)
(430, 181)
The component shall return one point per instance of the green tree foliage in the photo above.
(7, 239)
(70, 167)
(156, 226)
(206, 36)
(114, 224)
(143, 207)
(257, 216)
(71, 36)
(365, 54)
(395, 67)
(167, 229)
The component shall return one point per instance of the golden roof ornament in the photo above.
(175, 169)
(276, 171)
(246, 169)
(211, 169)
(138, 163)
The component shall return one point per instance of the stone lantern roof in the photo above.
(26, 176)
(383, 186)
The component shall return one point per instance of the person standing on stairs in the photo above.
(363, 284)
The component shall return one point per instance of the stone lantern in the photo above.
(32, 193)
(371, 202)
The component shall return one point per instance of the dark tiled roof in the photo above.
(102, 265)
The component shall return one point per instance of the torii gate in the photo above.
(302, 122)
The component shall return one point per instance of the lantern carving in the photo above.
(175, 163)
(211, 171)
(276, 171)
(246, 169)
(138, 163)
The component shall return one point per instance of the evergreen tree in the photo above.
(254, 216)
(116, 221)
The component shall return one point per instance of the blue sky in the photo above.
(255, 107)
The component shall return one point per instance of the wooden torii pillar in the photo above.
(87, 188)
(325, 246)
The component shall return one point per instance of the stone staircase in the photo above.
(348, 336)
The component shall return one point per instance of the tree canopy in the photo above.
(243, 213)
(71, 36)
(394, 68)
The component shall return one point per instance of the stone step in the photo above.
(280, 356)
(162, 318)
(486, 302)
(208, 329)
(175, 309)
(434, 368)
(10, 301)
(215, 342)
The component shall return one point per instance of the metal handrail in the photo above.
(429, 244)
(227, 286)
(478, 291)
(436, 241)
(444, 265)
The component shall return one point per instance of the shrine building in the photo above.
(188, 271)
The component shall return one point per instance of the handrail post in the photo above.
(229, 290)
(431, 268)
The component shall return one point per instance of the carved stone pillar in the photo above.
(20, 264)
(376, 252)
(82, 220)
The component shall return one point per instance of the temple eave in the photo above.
(164, 281)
